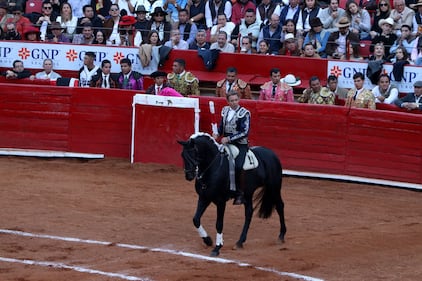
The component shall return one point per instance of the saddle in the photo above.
(251, 162)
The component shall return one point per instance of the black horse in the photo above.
(204, 161)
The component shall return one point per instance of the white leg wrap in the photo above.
(202, 232)
(219, 239)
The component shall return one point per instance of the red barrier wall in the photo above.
(328, 139)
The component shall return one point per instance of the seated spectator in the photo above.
(406, 40)
(183, 81)
(78, 7)
(417, 18)
(18, 71)
(290, 27)
(332, 85)
(379, 53)
(290, 48)
(129, 79)
(57, 35)
(383, 12)
(385, 92)
(11, 32)
(200, 41)
(249, 26)
(246, 46)
(265, 10)
(416, 55)
(331, 15)
(127, 30)
(88, 70)
(231, 82)
(215, 7)
(358, 96)
(339, 41)
(316, 94)
(399, 61)
(318, 37)
(289, 12)
(21, 22)
(401, 55)
(387, 37)
(176, 42)
(401, 14)
(222, 25)
(239, 9)
(4, 15)
(222, 43)
(309, 51)
(275, 90)
(46, 18)
(196, 13)
(153, 38)
(87, 36)
(310, 10)
(48, 72)
(360, 20)
(264, 48)
(111, 26)
(158, 22)
(272, 34)
(67, 20)
(31, 33)
(159, 83)
(172, 7)
(186, 27)
(104, 78)
(88, 17)
(412, 100)
(141, 24)
(99, 38)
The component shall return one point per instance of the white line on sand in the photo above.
(161, 250)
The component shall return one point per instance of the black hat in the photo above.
(140, 9)
(158, 10)
(158, 73)
(315, 22)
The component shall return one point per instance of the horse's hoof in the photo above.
(238, 246)
(214, 253)
(207, 240)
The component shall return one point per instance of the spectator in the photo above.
(290, 12)
(265, 10)
(78, 7)
(246, 46)
(57, 35)
(87, 36)
(88, 17)
(176, 42)
(417, 51)
(275, 90)
(111, 26)
(126, 30)
(11, 32)
(21, 22)
(18, 71)
(264, 48)
(11, 4)
(183, 81)
(401, 56)
(387, 37)
(332, 85)
(104, 78)
(153, 38)
(248, 27)
(186, 27)
(401, 15)
(331, 15)
(316, 94)
(309, 51)
(379, 53)
(129, 79)
(417, 18)
(4, 15)
(99, 38)
(172, 7)
(222, 43)
(141, 25)
(339, 41)
(159, 83)
(406, 40)
(383, 12)
(310, 10)
(200, 41)
(158, 22)
(290, 27)
(360, 20)
(385, 92)
(291, 47)
(101, 8)
(272, 34)
(48, 72)
(31, 33)
(223, 25)
(232, 83)
(358, 96)
(46, 18)
(197, 13)
(148, 5)
(215, 7)
(67, 20)
(88, 70)
(412, 100)
(318, 37)
(239, 9)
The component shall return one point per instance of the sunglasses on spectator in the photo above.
(160, 15)
(48, 7)
(383, 4)
(114, 10)
(16, 13)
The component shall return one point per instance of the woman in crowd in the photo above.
(401, 56)
(290, 27)
(67, 20)
(360, 20)
(385, 92)
(99, 38)
(263, 48)
(379, 53)
(383, 12)
(310, 10)
(318, 37)
(153, 38)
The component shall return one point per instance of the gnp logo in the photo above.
(24, 53)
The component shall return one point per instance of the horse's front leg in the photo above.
(200, 209)
(246, 224)
(221, 208)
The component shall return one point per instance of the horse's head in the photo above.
(190, 158)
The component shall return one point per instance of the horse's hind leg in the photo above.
(279, 206)
(200, 209)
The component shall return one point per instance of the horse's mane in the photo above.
(202, 134)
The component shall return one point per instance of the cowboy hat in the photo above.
(158, 10)
(140, 9)
(127, 20)
(417, 4)
(158, 73)
(315, 22)
(389, 21)
(343, 22)
(289, 36)
(291, 80)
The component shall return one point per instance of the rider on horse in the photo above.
(234, 127)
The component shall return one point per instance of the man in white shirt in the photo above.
(222, 43)
(88, 70)
(215, 7)
(401, 15)
(176, 42)
(48, 72)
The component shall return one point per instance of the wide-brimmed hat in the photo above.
(343, 22)
(140, 9)
(315, 22)
(289, 37)
(31, 29)
(158, 73)
(291, 80)
(389, 21)
(158, 10)
(127, 20)
(55, 25)
(417, 4)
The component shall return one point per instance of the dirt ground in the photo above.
(143, 214)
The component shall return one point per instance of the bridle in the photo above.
(194, 161)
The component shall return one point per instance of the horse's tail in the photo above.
(270, 195)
